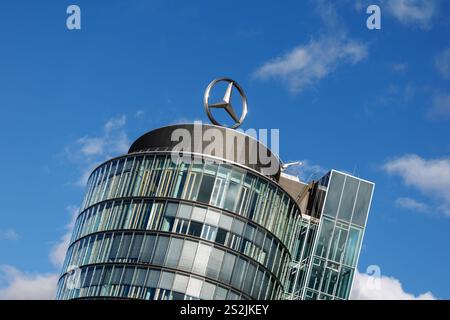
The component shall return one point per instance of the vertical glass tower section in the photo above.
(330, 237)
(156, 226)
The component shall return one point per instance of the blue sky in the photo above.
(375, 103)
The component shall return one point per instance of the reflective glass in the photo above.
(362, 203)
(334, 194)
(348, 198)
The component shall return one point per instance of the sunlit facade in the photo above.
(330, 237)
(155, 226)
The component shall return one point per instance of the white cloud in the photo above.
(58, 252)
(413, 12)
(442, 63)
(411, 204)
(367, 287)
(19, 285)
(440, 107)
(9, 234)
(89, 151)
(26, 286)
(305, 65)
(430, 176)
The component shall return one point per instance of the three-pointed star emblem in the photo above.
(226, 102)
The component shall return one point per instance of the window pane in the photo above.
(225, 222)
(362, 203)
(344, 284)
(166, 280)
(171, 209)
(207, 291)
(231, 195)
(206, 188)
(201, 259)
(348, 198)
(194, 287)
(239, 272)
(212, 217)
(184, 211)
(198, 214)
(187, 255)
(221, 236)
(352, 248)
(326, 232)
(195, 229)
(153, 278)
(147, 249)
(180, 283)
(174, 252)
(227, 267)
(334, 194)
(160, 250)
(214, 263)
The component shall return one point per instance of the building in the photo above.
(334, 215)
(213, 223)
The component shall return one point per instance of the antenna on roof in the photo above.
(284, 166)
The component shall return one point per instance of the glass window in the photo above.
(207, 292)
(180, 283)
(128, 275)
(326, 232)
(136, 246)
(195, 229)
(344, 284)
(115, 247)
(125, 246)
(221, 293)
(231, 195)
(206, 187)
(184, 211)
(171, 209)
(334, 194)
(348, 198)
(237, 227)
(201, 259)
(166, 280)
(153, 278)
(239, 271)
(221, 236)
(249, 277)
(338, 242)
(174, 252)
(352, 248)
(139, 277)
(362, 203)
(116, 275)
(227, 267)
(209, 232)
(198, 214)
(147, 249)
(212, 217)
(194, 287)
(96, 277)
(214, 263)
(187, 255)
(225, 222)
(316, 274)
(160, 250)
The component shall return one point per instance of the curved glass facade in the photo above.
(154, 228)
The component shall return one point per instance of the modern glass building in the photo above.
(334, 216)
(157, 225)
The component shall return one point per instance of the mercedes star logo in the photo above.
(226, 102)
